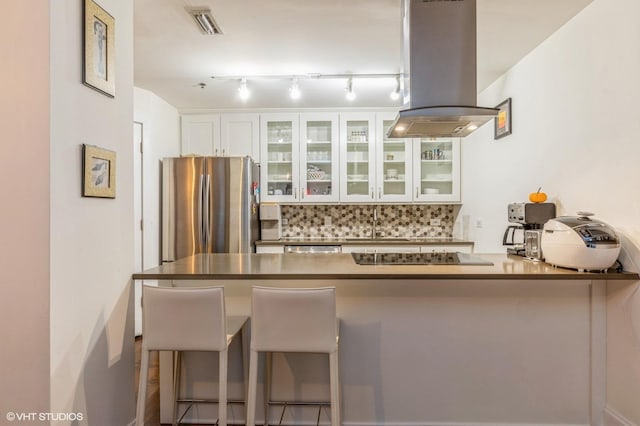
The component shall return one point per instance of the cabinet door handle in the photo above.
(215, 151)
(379, 192)
(372, 193)
(295, 193)
(223, 152)
(417, 192)
(301, 193)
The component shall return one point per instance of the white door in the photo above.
(138, 240)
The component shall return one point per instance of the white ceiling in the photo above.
(297, 37)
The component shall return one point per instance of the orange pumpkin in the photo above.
(538, 197)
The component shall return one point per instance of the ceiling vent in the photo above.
(205, 21)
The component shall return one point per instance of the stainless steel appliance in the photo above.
(209, 205)
(418, 259)
(532, 244)
(527, 217)
(580, 242)
(439, 70)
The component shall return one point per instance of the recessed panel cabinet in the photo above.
(200, 134)
(221, 135)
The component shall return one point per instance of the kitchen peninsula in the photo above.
(512, 342)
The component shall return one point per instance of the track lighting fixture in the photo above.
(294, 90)
(349, 89)
(243, 90)
(395, 95)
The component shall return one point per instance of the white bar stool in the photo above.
(186, 319)
(293, 320)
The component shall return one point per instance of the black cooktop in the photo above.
(418, 259)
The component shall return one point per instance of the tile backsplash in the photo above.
(356, 221)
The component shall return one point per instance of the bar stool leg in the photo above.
(222, 387)
(142, 387)
(253, 384)
(335, 389)
(177, 370)
(268, 369)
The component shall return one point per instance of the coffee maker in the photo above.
(523, 238)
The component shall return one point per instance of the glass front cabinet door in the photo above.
(279, 150)
(357, 157)
(393, 163)
(319, 157)
(436, 169)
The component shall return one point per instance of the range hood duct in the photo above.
(439, 70)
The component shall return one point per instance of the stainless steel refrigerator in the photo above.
(209, 205)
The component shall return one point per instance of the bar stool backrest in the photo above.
(293, 319)
(183, 318)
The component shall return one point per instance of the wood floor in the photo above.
(152, 409)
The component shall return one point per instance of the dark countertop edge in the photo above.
(585, 276)
(343, 242)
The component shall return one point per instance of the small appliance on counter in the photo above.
(523, 238)
(580, 242)
(270, 222)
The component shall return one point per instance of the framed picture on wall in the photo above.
(502, 123)
(98, 172)
(98, 58)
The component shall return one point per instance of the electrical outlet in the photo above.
(285, 221)
(435, 221)
(327, 221)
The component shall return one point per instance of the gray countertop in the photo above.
(342, 266)
(363, 241)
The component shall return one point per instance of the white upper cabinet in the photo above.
(279, 154)
(240, 135)
(221, 135)
(319, 169)
(357, 157)
(436, 169)
(200, 134)
(394, 158)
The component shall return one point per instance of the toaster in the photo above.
(580, 242)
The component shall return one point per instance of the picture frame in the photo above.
(502, 122)
(98, 172)
(98, 53)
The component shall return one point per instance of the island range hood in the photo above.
(439, 70)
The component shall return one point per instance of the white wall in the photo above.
(161, 124)
(576, 134)
(24, 210)
(92, 356)
(161, 138)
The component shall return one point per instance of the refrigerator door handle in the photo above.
(200, 207)
(207, 223)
